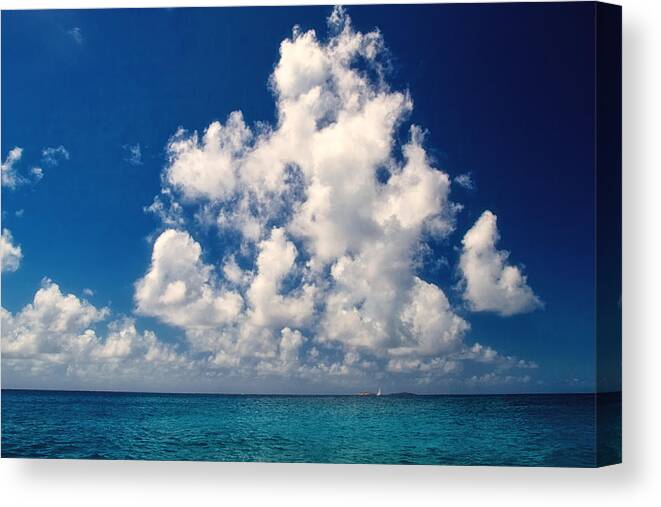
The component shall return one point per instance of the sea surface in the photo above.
(525, 430)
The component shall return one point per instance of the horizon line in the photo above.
(356, 394)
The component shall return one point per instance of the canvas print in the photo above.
(361, 234)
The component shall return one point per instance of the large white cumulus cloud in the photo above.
(331, 212)
(491, 284)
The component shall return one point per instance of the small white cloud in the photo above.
(10, 254)
(88, 292)
(19, 213)
(53, 156)
(37, 173)
(465, 181)
(133, 154)
(76, 34)
(10, 176)
(490, 284)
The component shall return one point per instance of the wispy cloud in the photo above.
(37, 173)
(465, 181)
(77, 35)
(53, 156)
(133, 154)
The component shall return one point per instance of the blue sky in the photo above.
(503, 98)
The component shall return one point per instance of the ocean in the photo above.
(521, 430)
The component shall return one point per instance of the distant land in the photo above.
(397, 395)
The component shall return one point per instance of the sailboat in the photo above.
(378, 393)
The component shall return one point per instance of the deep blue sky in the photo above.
(505, 92)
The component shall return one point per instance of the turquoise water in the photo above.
(527, 430)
